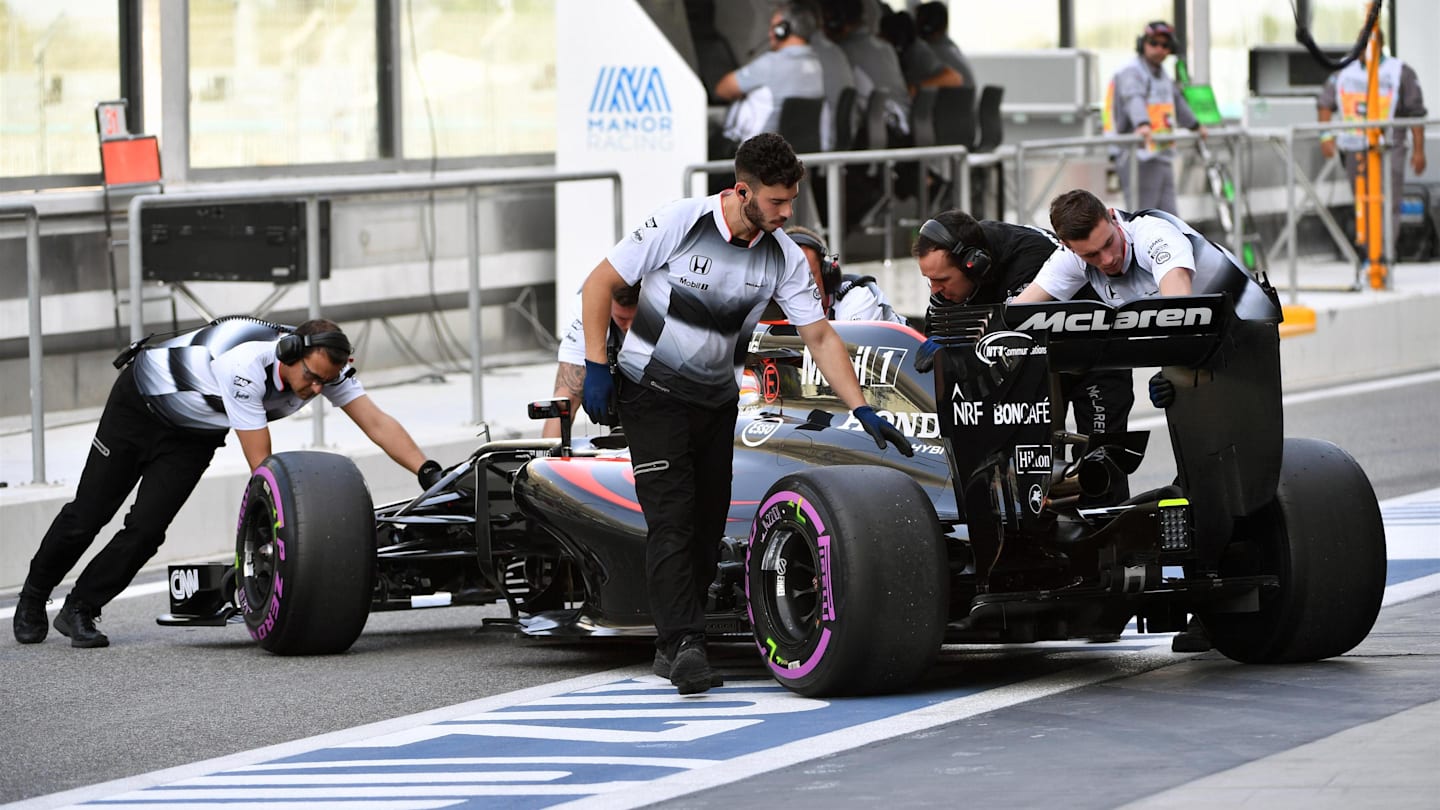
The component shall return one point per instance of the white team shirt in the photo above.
(1153, 247)
(702, 297)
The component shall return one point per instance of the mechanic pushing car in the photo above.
(570, 357)
(709, 266)
(975, 263)
(167, 413)
(1103, 252)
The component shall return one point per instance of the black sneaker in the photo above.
(1192, 640)
(77, 621)
(31, 623)
(662, 665)
(691, 672)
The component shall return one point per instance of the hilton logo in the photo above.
(629, 110)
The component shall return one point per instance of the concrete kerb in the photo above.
(1356, 336)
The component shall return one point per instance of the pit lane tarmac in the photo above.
(1023, 725)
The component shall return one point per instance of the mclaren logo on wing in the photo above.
(1105, 320)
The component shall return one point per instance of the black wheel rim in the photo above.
(791, 579)
(256, 554)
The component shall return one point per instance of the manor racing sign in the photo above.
(629, 110)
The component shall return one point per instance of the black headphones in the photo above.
(974, 261)
(781, 30)
(292, 347)
(930, 18)
(829, 263)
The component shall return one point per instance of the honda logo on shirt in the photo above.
(700, 265)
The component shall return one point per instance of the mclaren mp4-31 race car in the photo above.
(850, 566)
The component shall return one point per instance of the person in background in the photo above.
(1400, 97)
(835, 68)
(932, 24)
(570, 357)
(919, 64)
(1144, 101)
(171, 407)
(790, 69)
(843, 296)
(709, 267)
(875, 65)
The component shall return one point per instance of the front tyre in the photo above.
(846, 580)
(1324, 538)
(305, 554)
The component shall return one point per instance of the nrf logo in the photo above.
(629, 110)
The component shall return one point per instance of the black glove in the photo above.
(1162, 391)
(925, 356)
(882, 431)
(429, 473)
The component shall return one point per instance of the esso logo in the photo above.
(756, 433)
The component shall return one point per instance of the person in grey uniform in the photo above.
(709, 265)
(167, 413)
(876, 67)
(918, 62)
(1123, 257)
(790, 69)
(932, 23)
(1142, 100)
(1400, 97)
(835, 69)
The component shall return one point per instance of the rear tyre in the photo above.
(846, 581)
(1324, 537)
(305, 554)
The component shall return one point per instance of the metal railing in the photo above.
(959, 158)
(32, 293)
(311, 190)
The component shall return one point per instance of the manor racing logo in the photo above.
(629, 111)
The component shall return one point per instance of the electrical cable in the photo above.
(1302, 36)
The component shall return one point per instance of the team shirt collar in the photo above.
(718, 212)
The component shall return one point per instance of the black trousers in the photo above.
(1102, 401)
(682, 454)
(131, 445)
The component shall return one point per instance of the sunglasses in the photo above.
(311, 378)
(1159, 43)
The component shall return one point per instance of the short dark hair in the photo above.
(1074, 214)
(768, 160)
(802, 16)
(339, 355)
(932, 18)
(627, 296)
(963, 227)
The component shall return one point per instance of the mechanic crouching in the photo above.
(171, 407)
(709, 266)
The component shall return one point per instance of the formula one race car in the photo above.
(851, 566)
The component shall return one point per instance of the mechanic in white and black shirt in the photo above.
(1125, 257)
(167, 413)
(709, 266)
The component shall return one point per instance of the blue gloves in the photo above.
(599, 388)
(925, 356)
(1162, 391)
(882, 431)
(429, 473)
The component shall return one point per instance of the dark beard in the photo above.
(753, 215)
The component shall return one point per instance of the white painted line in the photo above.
(845, 739)
(1411, 589)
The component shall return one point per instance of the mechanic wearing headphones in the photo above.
(709, 266)
(790, 69)
(167, 413)
(843, 296)
(970, 263)
(1142, 100)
